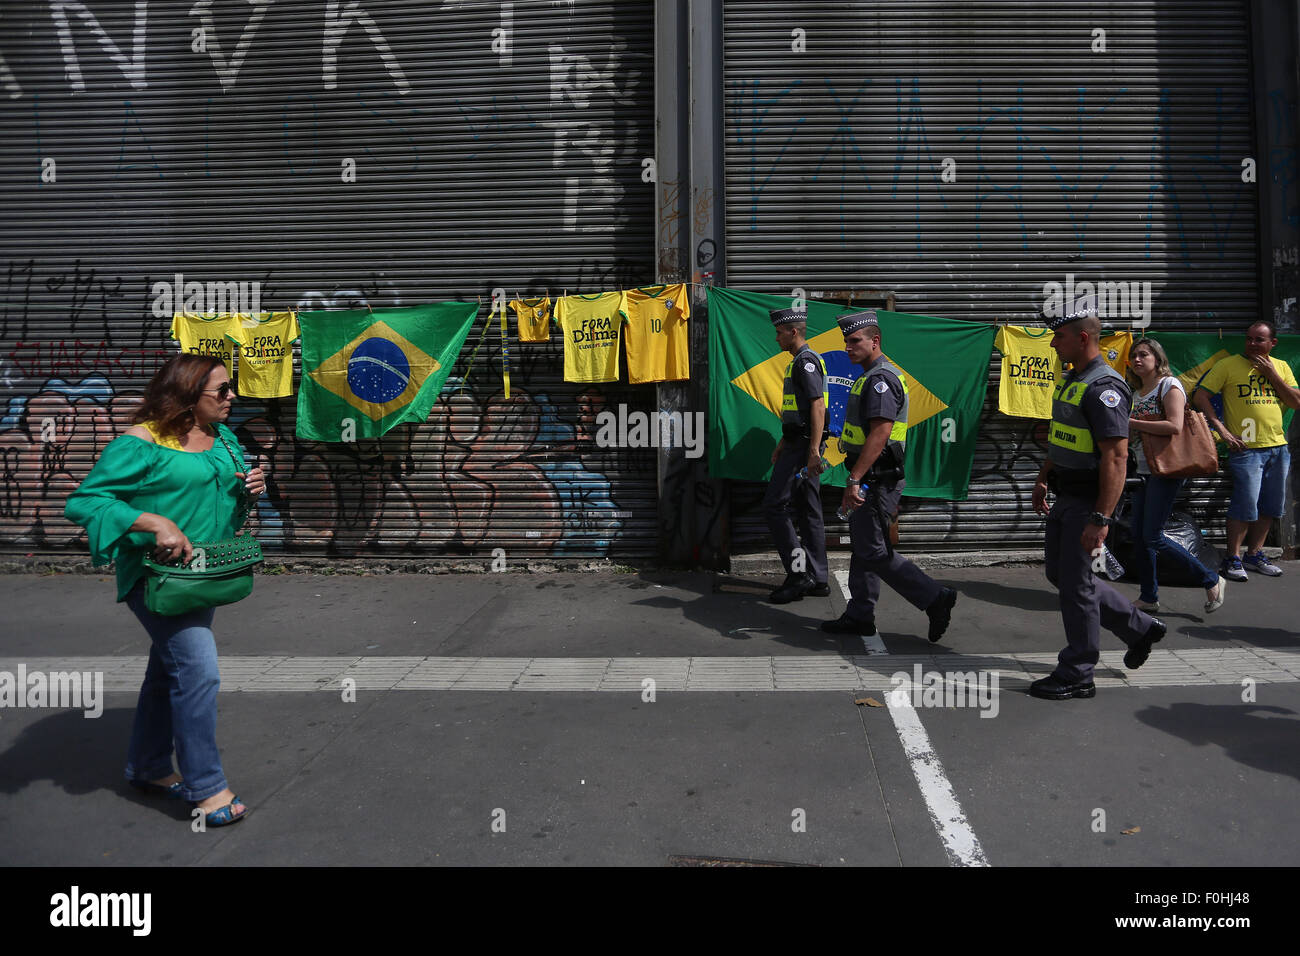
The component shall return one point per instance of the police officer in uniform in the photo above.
(803, 430)
(873, 441)
(1086, 464)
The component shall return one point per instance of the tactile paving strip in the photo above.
(1182, 668)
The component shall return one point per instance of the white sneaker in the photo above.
(1214, 596)
(1151, 607)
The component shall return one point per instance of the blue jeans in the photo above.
(178, 701)
(1153, 503)
(1258, 483)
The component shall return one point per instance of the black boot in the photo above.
(847, 625)
(1140, 650)
(794, 588)
(940, 613)
(1054, 688)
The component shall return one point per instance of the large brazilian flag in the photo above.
(365, 371)
(945, 362)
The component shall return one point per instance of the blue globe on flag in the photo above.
(840, 376)
(378, 370)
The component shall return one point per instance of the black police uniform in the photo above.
(1089, 404)
(880, 392)
(805, 382)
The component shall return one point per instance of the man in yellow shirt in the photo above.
(1255, 389)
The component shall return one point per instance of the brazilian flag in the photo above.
(365, 371)
(945, 362)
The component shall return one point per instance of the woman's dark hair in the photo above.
(170, 397)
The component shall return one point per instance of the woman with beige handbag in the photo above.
(1159, 413)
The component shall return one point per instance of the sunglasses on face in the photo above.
(224, 391)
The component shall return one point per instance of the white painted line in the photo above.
(873, 643)
(959, 840)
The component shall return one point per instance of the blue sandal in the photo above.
(225, 815)
(171, 792)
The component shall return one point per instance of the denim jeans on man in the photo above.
(178, 702)
(1153, 503)
(1258, 482)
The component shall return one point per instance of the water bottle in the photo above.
(802, 473)
(844, 515)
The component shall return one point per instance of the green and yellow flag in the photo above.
(364, 372)
(945, 361)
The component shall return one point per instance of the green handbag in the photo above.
(218, 572)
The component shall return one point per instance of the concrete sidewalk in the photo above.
(506, 719)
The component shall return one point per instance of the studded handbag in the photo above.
(218, 572)
(1188, 454)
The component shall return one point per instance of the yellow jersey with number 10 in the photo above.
(657, 337)
(534, 318)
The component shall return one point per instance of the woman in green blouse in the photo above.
(171, 479)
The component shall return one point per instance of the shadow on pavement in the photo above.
(1246, 736)
(1024, 599)
(738, 610)
(1258, 636)
(78, 755)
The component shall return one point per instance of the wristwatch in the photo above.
(1100, 519)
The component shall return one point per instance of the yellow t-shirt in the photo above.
(591, 327)
(1030, 370)
(1115, 348)
(534, 319)
(1031, 367)
(205, 334)
(657, 336)
(1248, 396)
(166, 441)
(265, 343)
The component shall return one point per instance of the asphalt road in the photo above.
(505, 719)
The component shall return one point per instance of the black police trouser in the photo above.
(874, 560)
(1087, 604)
(784, 489)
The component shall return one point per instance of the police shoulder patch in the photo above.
(808, 366)
(881, 386)
(1109, 398)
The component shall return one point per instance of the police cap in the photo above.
(854, 321)
(1081, 312)
(788, 316)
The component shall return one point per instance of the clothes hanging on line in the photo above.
(265, 341)
(591, 325)
(533, 317)
(656, 335)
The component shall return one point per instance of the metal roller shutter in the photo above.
(1123, 165)
(384, 153)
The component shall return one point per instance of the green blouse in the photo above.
(196, 490)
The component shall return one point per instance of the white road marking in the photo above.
(955, 832)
